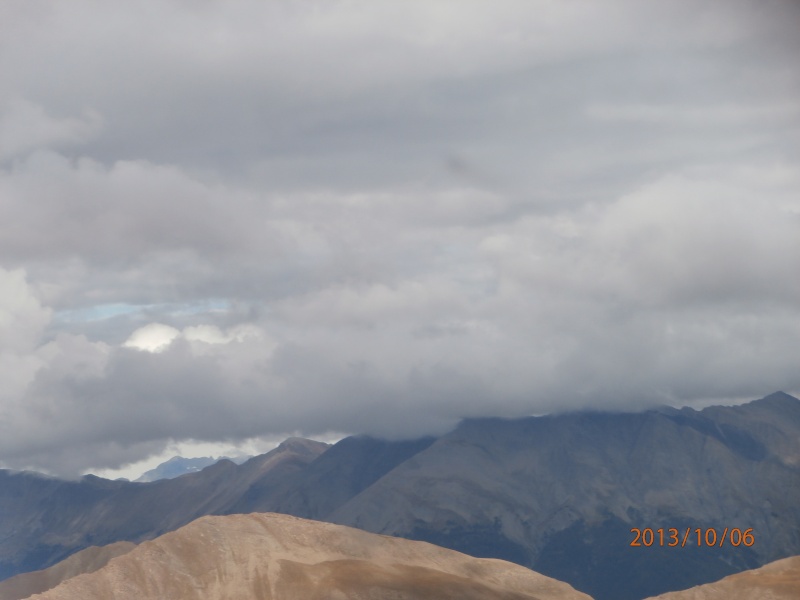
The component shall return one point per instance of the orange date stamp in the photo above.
(709, 537)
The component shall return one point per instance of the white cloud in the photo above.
(157, 337)
(26, 126)
(22, 317)
(154, 337)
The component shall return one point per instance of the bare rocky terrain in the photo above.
(86, 561)
(278, 557)
(779, 580)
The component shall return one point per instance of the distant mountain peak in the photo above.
(778, 402)
(178, 465)
(302, 445)
(779, 397)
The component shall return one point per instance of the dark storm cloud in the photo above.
(220, 221)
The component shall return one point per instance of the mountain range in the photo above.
(558, 494)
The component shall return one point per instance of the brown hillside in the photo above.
(86, 561)
(779, 580)
(278, 557)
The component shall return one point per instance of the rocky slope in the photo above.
(278, 557)
(779, 580)
(86, 561)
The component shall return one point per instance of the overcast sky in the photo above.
(232, 221)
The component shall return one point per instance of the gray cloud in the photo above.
(385, 217)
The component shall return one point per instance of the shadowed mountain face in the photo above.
(330, 481)
(558, 494)
(278, 557)
(43, 520)
(779, 580)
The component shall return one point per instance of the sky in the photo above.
(223, 223)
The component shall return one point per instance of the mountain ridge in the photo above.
(557, 493)
(280, 557)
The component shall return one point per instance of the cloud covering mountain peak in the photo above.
(383, 219)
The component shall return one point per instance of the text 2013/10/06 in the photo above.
(672, 537)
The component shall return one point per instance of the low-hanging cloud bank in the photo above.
(679, 292)
(260, 219)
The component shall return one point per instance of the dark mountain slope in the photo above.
(43, 520)
(345, 470)
(560, 493)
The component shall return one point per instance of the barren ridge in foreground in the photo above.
(278, 557)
